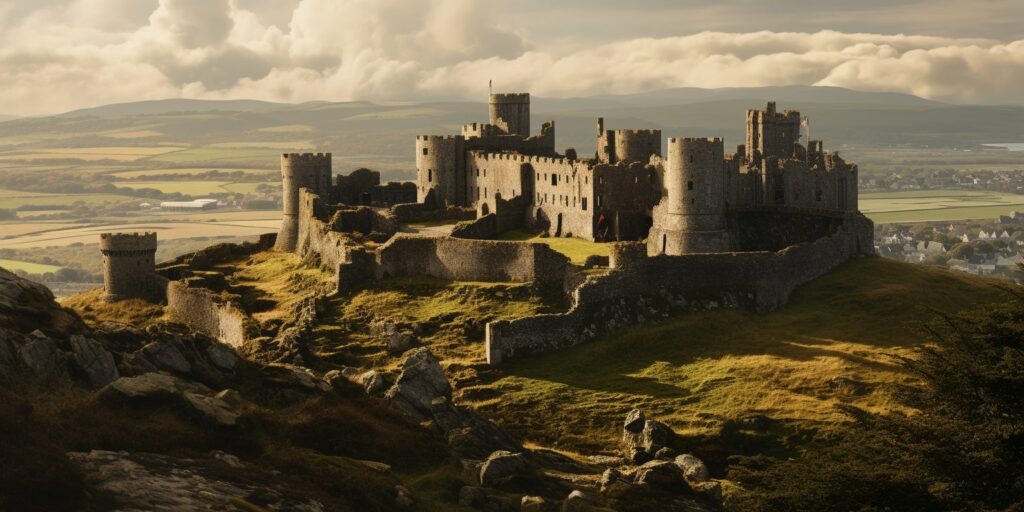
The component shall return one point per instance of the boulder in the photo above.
(166, 356)
(399, 342)
(403, 498)
(41, 356)
(221, 356)
(535, 504)
(214, 409)
(613, 485)
(502, 465)
(94, 361)
(581, 501)
(151, 385)
(420, 385)
(8, 353)
(659, 475)
(298, 376)
(26, 305)
(711, 489)
(694, 470)
(634, 421)
(643, 439)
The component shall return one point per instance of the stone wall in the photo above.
(761, 281)
(458, 259)
(205, 312)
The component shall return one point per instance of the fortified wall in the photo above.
(762, 281)
(129, 267)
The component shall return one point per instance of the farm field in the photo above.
(31, 268)
(165, 231)
(937, 205)
(195, 187)
(189, 171)
(13, 229)
(14, 202)
(122, 154)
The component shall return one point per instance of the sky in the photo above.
(59, 55)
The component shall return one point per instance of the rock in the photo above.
(694, 470)
(227, 458)
(399, 342)
(221, 356)
(41, 355)
(710, 489)
(379, 467)
(634, 421)
(473, 497)
(215, 410)
(137, 364)
(656, 435)
(151, 385)
(502, 465)
(581, 501)
(95, 362)
(403, 498)
(534, 504)
(613, 485)
(8, 353)
(420, 384)
(166, 356)
(27, 306)
(372, 381)
(660, 475)
(298, 376)
(232, 397)
(665, 454)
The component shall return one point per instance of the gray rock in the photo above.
(227, 458)
(399, 342)
(151, 385)
(613, 485)
(693, 468)
(166, 356)
(374, 382)
(94, 361)
(660, 475)
(300, 376)
(534, 504)
(665, 454)
(379, 467)
(502, 465)
(221, 356)
(420, 383)
(137, 364)
(582, 501)
(214, 409)
(634, 421)
(8, 353)
(41, 355)
(710, 489)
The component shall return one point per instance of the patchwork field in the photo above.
(937, 205)
(165, 231)
(123, 154)
(197, 187)
(60, 200)
(189, 171)
(31, 268)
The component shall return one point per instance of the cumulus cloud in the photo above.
(66, 54)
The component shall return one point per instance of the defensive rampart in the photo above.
(208, 313)
(762, 281)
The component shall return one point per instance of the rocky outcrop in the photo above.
(643, 439)
(502, 465)
(139, 481)
(95, 362)
(26, 306)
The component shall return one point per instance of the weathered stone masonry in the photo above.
(129, 267)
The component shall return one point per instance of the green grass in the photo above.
(31, 268)
(937, 205)
(453, 315)
(576, 249)
(701, 371)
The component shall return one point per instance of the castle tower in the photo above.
(440, 170)
(307, 170)
(511, 112)
(129, 266)
(771, 134)
(691, 216)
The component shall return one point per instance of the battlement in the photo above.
(435, 138)
(128, 242)
(695, 140)
(306, 158)
(638, 131)
(531, 159)
(510, 97)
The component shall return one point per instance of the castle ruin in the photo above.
(129, 267)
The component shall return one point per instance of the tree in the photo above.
(961, 251)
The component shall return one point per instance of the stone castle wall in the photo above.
(459, 259)
(129, 267)
(206, 312)
(761, 281)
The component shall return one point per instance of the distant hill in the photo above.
(381, 135)
(6, 118)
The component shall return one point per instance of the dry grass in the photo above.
(135, 312)
(272, 283)
(576, 249)
(834, 344)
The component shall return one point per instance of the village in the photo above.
(982, 248)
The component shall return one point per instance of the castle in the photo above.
(695, 227)
(129, 261)
(681, 202)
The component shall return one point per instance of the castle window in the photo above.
(424, 151)
(430, 175)
(554, 179)
(485, 192)
(538, 197)
(485, 173)
(478, 173)
(583, 203)
(689, 185)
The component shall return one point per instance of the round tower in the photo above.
(440, 169)
(129, 266)
(691, 215)
(511, 112)
(306, 170)
(637, 145)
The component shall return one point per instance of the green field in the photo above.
(576, 249)
(937, 205)
(31, 268)
(196, 187)
(15, 202)
(190, 171)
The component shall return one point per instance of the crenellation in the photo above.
(129, 266)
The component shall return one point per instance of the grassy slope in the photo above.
(576, 249)
(701, 371)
